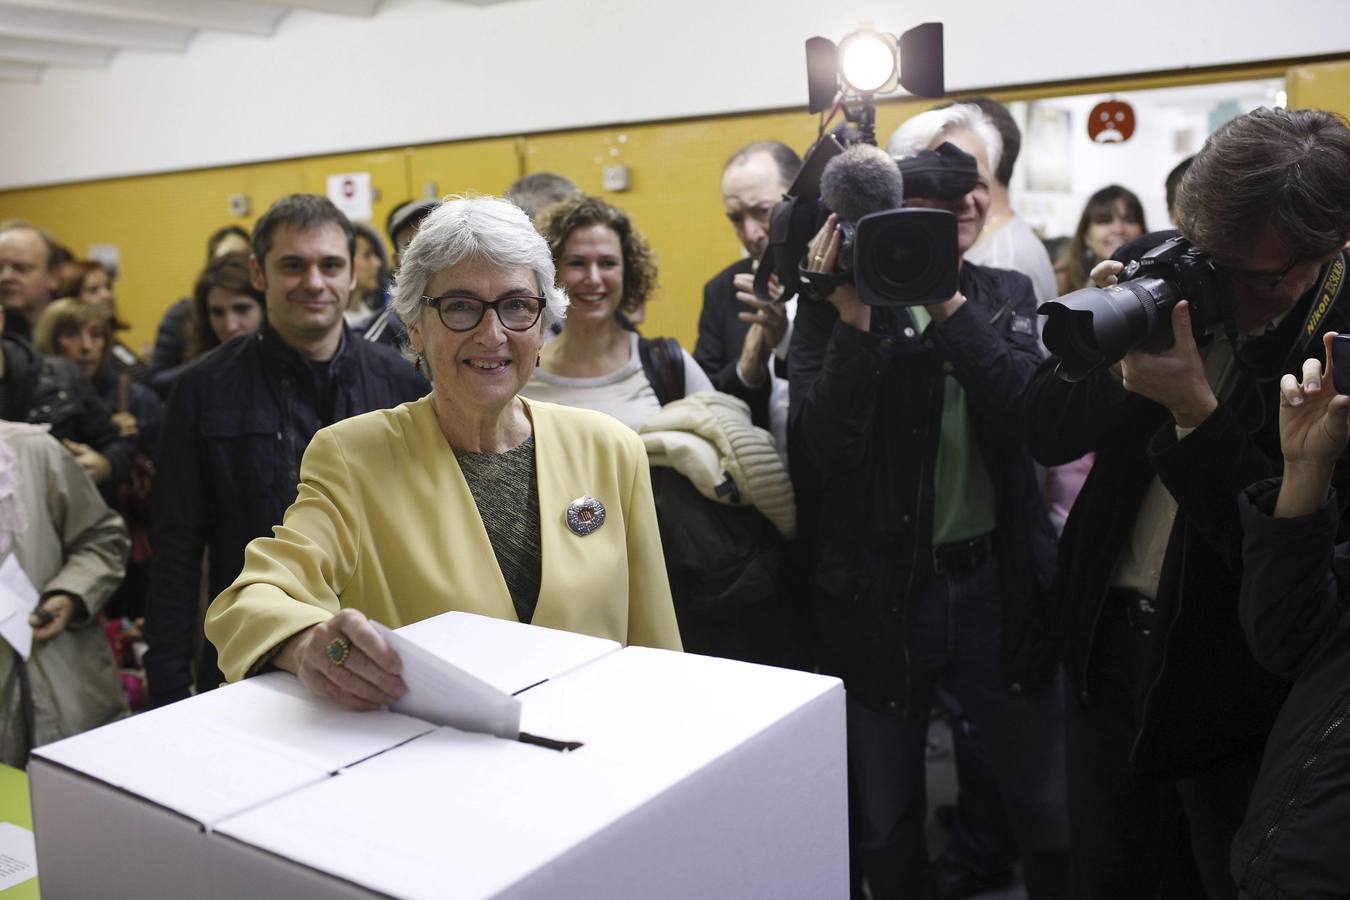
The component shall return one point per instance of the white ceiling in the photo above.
(38, 34)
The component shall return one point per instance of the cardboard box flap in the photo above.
(229, 749)
(675, 711)
(507, 655)
(448, 815)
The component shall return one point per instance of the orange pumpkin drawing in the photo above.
(1111, 122)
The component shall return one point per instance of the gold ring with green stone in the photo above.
(339, 648)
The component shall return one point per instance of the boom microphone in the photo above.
(860, 181)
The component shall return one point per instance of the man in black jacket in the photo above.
(1172, 711)
(738, 342)
(240, 418)
(932, 546)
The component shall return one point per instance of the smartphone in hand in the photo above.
(1340, 363)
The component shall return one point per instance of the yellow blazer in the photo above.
(384, 522)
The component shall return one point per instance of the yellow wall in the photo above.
(1320, 86)
(160, 222)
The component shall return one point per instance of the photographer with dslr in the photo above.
(1172, 710)
(933, 545)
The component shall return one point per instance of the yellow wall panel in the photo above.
(1320, 86)
(483, 167)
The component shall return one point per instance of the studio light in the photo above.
(867, 61)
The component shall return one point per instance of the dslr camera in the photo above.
(1096, 327)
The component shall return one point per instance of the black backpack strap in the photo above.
(663, 363)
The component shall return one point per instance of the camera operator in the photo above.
(1172, 710)
(933, 544)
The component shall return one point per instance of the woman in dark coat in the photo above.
(1295, 609)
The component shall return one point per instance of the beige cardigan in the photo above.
(72, 544)
(385, 523)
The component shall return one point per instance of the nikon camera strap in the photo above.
(1329, 290)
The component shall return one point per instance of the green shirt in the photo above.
(964, 492)
(506, 493)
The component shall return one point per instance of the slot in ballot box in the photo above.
(696, 777)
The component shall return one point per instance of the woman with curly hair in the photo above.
(606, 267)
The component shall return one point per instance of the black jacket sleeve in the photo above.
(994, 370)
(1206, 470)
(1291, 604)
(835, 373)
(1064, 420)
(79, 414)
(98, 431)
(166, 361)
(718, 358)
(178, 536)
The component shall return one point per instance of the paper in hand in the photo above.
(444, 694)
(18, 598)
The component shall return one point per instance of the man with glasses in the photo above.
(239, 420)
(1170, 712)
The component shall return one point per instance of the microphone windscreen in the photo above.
(860, 181)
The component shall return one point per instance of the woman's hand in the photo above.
(52, 616)
(1314, 430)
(126, 424)
(95, 464)
(346, 661)
(1106, 273)
(1314, 419)
(821, 256)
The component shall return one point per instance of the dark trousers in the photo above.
(1135, 839)
(954, 647)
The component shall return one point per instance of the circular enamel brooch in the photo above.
(584, 515)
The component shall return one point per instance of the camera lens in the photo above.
(903, 256)
(1097, 326)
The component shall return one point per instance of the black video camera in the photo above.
(1096, 327)
(894, 256)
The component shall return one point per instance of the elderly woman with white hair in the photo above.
(470, 499)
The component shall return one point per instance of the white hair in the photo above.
(920, 132)
(475, 228)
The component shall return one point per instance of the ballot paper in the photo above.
(18, 597)
(18, 855)
(444, 694)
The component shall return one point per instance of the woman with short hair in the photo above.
(92, 281)
(82, 333)
(470, 499)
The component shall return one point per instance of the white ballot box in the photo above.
(126, 810)
(696, 777)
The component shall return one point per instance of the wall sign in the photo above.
(351, 193)
(1111, 122)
